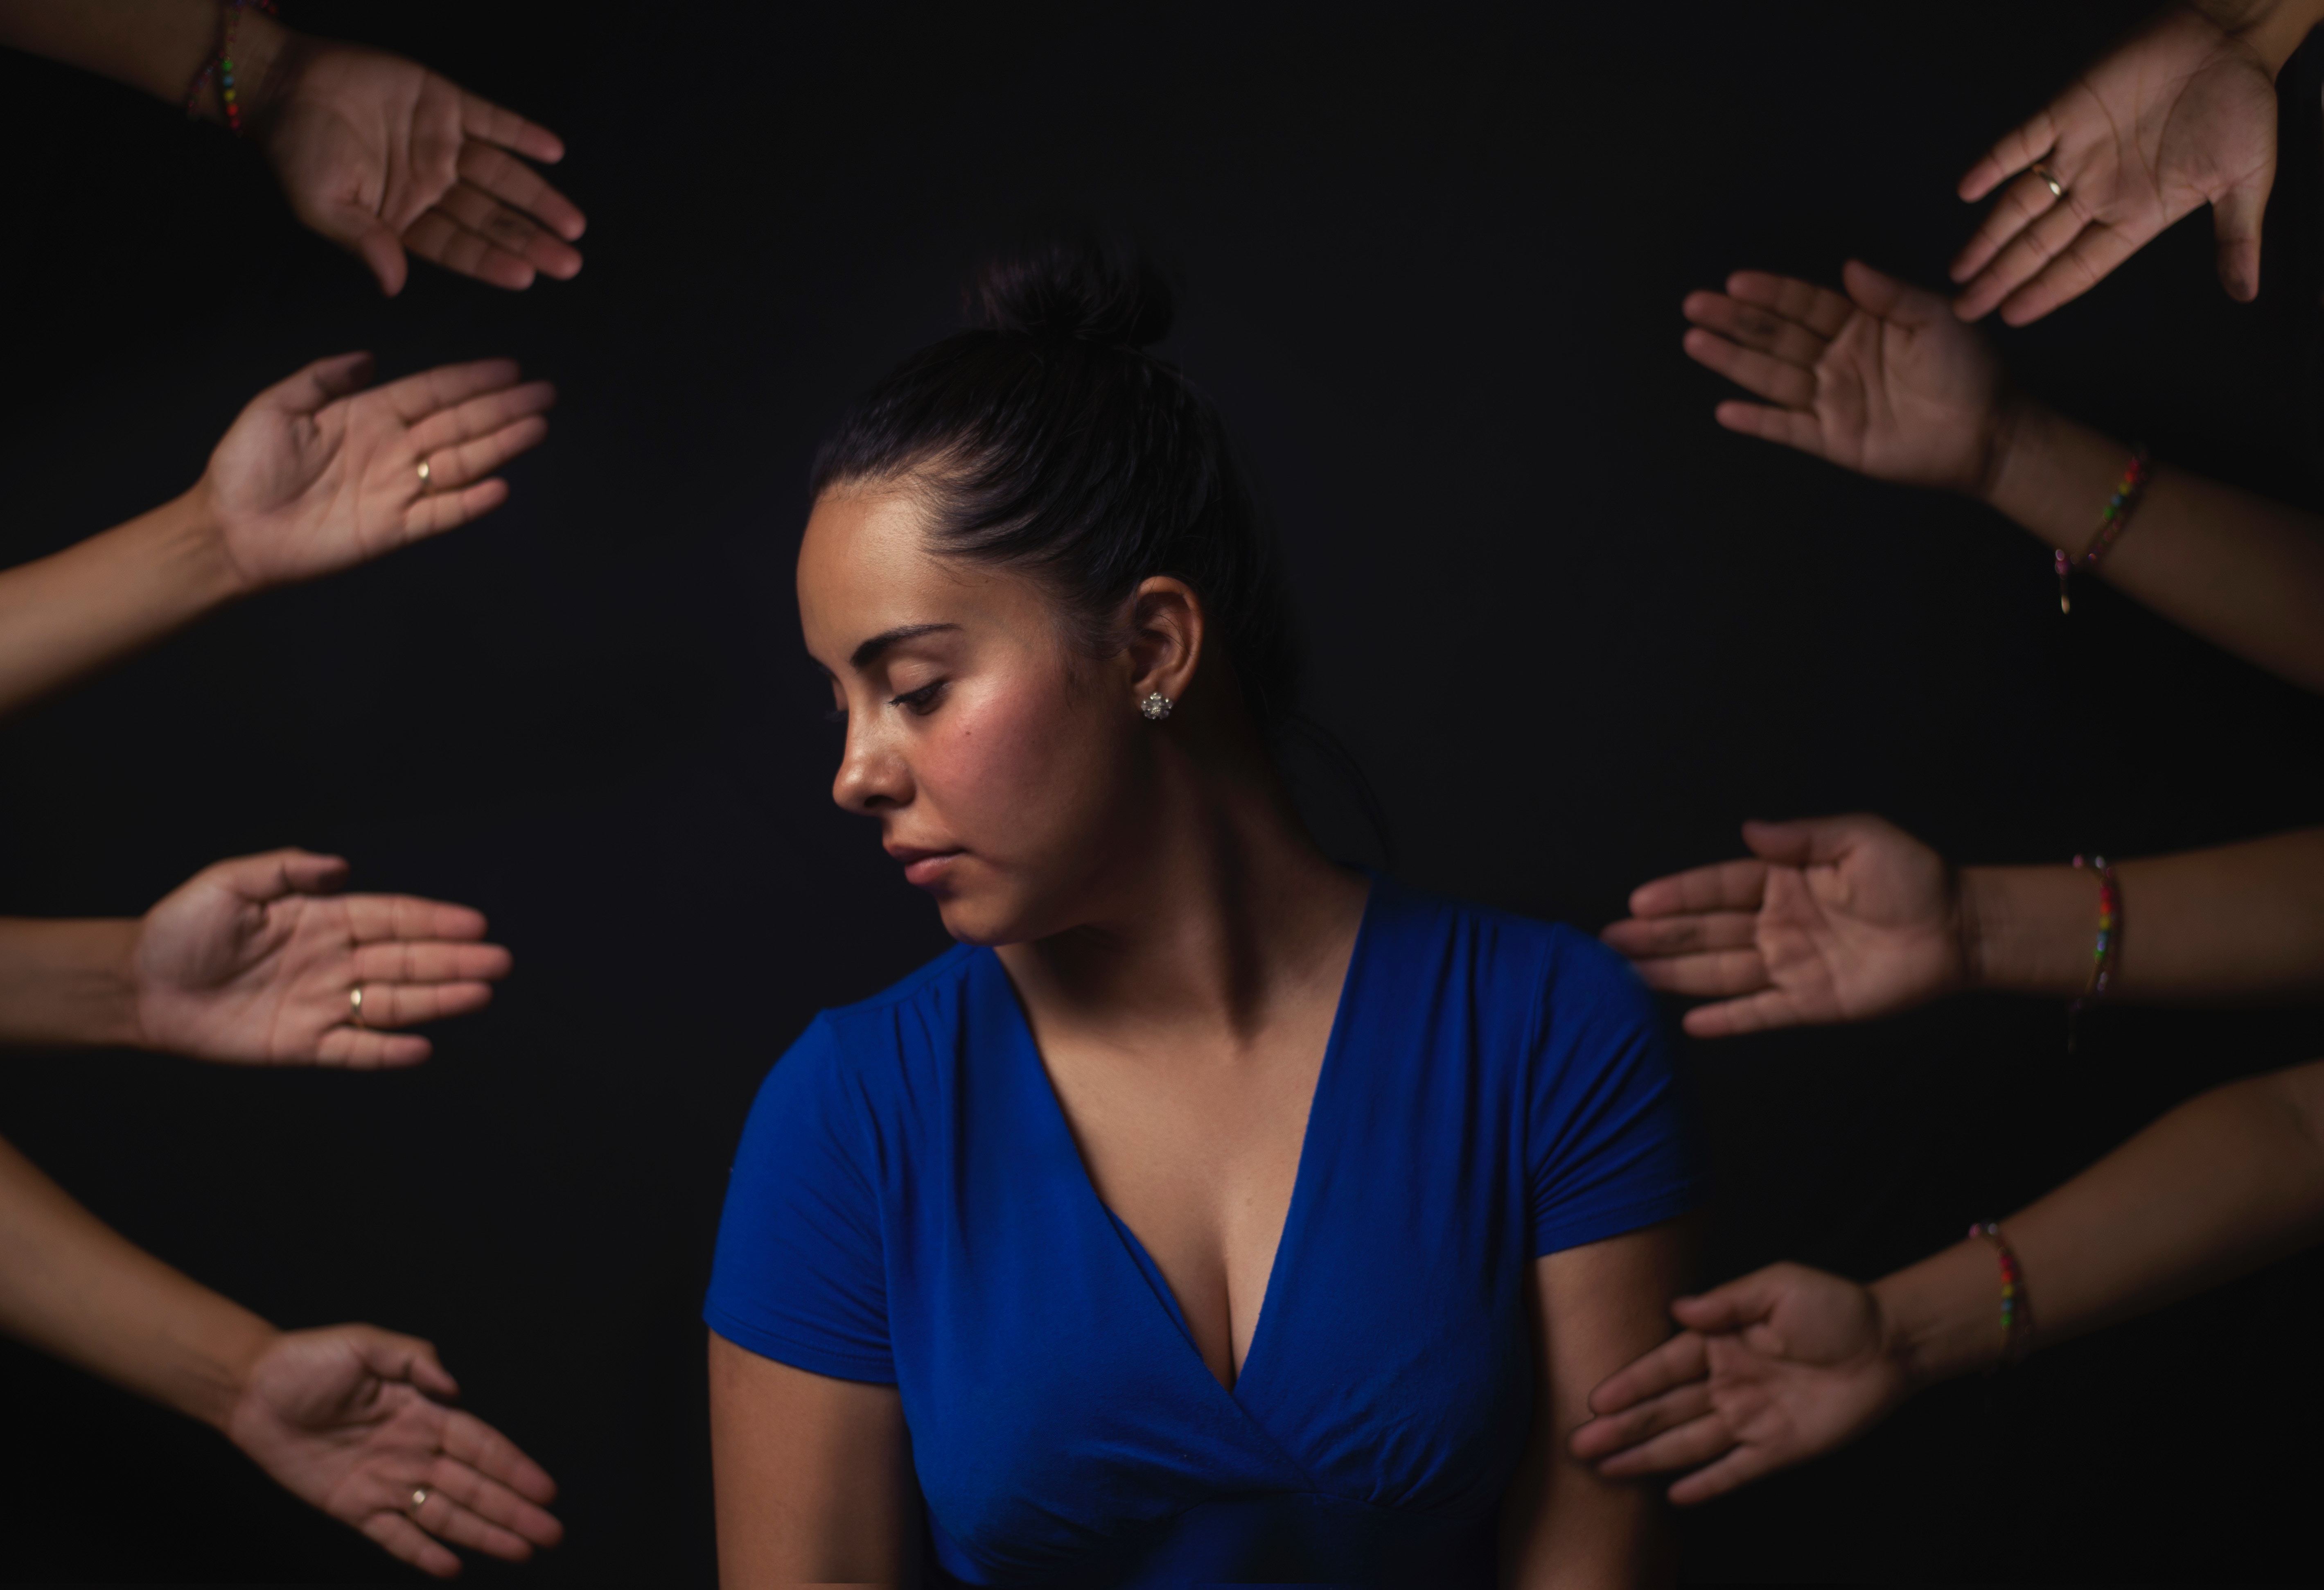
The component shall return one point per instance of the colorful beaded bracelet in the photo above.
(2109, 939)
(221, 65)
(2112, 522)
(2016, 1307)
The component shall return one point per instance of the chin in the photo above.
(977, 919)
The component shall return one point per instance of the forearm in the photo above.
(2274, 29)
(2245, 573)
(157, 46)
(68, 983)
(112, 595)
(73, 1287)
(2232, 923)
(2221, 1185)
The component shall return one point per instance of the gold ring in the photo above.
(423, 463)
(418, 1500)
(2057, 190)
(354, 1004)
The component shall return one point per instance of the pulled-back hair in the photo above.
(1047, 439)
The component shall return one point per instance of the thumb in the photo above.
(1731, 1308)
(321, 382)
(279, 873)
(2235, 225)
(394, 1357)
(1876, 292)
(1800, 842)
(367, 237)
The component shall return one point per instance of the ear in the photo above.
(1165, 637)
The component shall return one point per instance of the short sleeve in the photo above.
(1607, 1139)
(800, 1274)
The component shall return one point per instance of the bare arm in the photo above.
(813, 1475)
(156, 46)
(1789, 1363)
(1595, 1308)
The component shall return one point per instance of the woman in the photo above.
(1211, 1212)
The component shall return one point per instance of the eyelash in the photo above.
(919, 702)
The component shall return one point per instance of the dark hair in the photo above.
(1049, 440)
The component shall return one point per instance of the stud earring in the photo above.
(1156, 707)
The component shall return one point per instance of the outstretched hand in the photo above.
(2179, 115)
(351, 1420)
(1781, 1366)
(323, 471)
(253, 961)
(379, 154)
(1831, 920)
(1885, 382)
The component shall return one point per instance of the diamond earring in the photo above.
(1156, 707)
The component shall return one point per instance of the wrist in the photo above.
(2018, 462)
(201, 542)
(1938, 1318)
(2271, 30)
(220, 1369)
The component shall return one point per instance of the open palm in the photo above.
(352, 1420)
(1778, 1367)
(2180, 115)
(1884, 380)
(380, 155)
(318, 473)
(253, 961)
(1830, 920)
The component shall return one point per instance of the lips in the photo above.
(924, 868)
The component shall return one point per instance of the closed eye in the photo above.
(919, 702)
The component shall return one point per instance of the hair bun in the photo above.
(1103, 291)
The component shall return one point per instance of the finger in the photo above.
(1803, 841)
(496, 1457)
(450, 468)
(1677, 1361)
(1756, 1013)
(430, 961)
(400, 1537)
(359, 1049)
(410, 1004)
(441, 1516)
(394, 1357)
(416, 397)
(495, 1504)
(1728, 885)
(1819, 308)
(1697, 1441)
(373, 918)
(1762, 374)
(436, 235)
(320, 383)
(2086, 262)
(2235, 226)
(1748, 325)
(2044, 239)
(357, 229)
(1746, 1301)
(1610, 1433)
(1706, 976)
(481, 118)
(2018, 148)
(1789, 427)
(1642, 938)
(513, 183)
(1740, 1467)
(480, 416)
(2022, 204)
(510, 229)
(1881, 294)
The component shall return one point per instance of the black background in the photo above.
(1574, 630)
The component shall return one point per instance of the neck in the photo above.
(1225, 914)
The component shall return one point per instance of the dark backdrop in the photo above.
(1573, 630)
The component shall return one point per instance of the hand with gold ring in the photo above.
(356, 1421)
(324, 471)
(2180, 115)
(261, 961)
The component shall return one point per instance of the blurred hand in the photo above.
(318, 474)
(2179, 114)
(1781, 1366)
(351, 1420)
(1836, 919)
(252, 961)
(379, 154)
(1885, 382)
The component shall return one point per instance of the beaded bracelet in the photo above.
(2016, 1307)
(2102, 954)
(2112, 522)
(221, 65)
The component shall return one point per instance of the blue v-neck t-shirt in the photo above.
(909, 1208)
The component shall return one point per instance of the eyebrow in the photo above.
(870, 651)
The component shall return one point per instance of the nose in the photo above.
(872, 778)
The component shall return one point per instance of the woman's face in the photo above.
(1004, 770)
